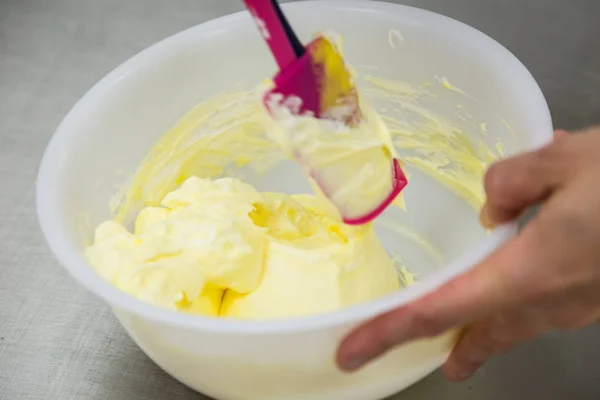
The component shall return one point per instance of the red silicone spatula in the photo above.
(317, 76)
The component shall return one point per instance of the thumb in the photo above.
(514, 184)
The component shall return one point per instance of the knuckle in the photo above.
(491, 344)
(562, 156)
(571, 222)
(523, 178)
(477, 349)
(386, 337)
(557, 150)
(564, 322)
(389, 331)
(425, 324)
(563, 224)
(494, 180)
(383, 342)
(573, 318)
(481, 352)
(579, 324)
(568, 320)
(507, 178)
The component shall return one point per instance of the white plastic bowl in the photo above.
(108, 132)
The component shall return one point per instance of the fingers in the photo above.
(504, 331)
(488, 287)
(513, 185)
(519, 182)
(491, 337)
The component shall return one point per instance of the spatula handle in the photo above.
(275, 29)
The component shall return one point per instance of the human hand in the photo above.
(547, 277)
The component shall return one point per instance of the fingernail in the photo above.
(485, 220)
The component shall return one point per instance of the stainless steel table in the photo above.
(59, 342)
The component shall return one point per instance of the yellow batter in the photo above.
(348, 152)
(353, 165)
(221, 248)
(218, 247)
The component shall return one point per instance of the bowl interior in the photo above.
(467, 82)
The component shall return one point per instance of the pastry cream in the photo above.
(228, 131)
(218, 247)
(339, 141)
(430, 143)
(222, 248)
(213, 139)
(353, 165)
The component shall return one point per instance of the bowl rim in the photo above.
(70, 257)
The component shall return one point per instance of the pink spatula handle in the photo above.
(276, 31)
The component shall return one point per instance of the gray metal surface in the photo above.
(59, 342)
